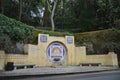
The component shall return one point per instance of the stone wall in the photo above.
(16, 58)
(2, 60)
(37, 54)
(80, 55)
(109, 59)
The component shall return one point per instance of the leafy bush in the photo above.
(12, 32)
(16, 30)
(101, 34)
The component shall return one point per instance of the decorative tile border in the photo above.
(69, 40)
(43, 38)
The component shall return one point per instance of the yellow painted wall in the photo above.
(2, 60)
(80, 55)
(33, 54)
(108, 60)
(16, 58)
(37, 54)
(44, 61)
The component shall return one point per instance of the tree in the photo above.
(20, 10)
(3, 4)
(52, 14)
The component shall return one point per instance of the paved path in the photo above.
(53, 70)
(109, 75)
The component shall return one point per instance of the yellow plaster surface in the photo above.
(2, 60)
(37, 54)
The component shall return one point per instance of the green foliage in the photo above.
(51, 33)
(76, 16)
(102, 41)
(17, 31)
(71, 15)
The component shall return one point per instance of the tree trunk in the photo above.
(2, 7)
(46, 15)
(52, 14)
(20, 10)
